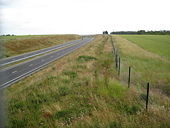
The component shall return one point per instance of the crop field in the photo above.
(83, 90)
(15, 45)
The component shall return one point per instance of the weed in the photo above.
(115, 125)
(130, 110)
(63, 91)
(115, 90)
(71, 74)
(85, 58)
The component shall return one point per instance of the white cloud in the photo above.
(83, 16)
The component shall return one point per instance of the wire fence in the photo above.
(130, 76)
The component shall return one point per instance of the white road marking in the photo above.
(30, 64)
(14, 71)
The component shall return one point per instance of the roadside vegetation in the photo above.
(15, 45)
(83, 90)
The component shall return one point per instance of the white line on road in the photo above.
(14, 71)
(30, 64)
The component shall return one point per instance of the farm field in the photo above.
(15, 45)
(149, 58)
(159, 44)
(83, 90)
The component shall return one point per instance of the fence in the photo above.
(129, 75)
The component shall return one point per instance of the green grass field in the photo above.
(159, 44)
(149, 58)
(83, 90)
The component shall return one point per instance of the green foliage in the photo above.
(63, 91)
(76, 110)
(143, 96)
(18, 123)
(129, 109)
(85, 58)
(166, 89)
(71, 74)
(114, 89)
(115, 125)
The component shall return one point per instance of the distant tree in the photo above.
(105, 32)
(141, 32)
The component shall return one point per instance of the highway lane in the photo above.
(14, 74)
(14, 59)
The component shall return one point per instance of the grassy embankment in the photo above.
(83, 90)
(15, 45)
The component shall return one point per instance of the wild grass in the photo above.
(15, 45)
(76, 94)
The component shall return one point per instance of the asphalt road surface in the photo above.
(15, 73)
(14, 59)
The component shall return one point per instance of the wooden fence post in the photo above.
(147, 96)
(119, 67)
(129, 78)
(116, 58)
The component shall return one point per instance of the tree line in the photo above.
(143, 32)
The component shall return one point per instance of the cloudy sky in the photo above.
(82, 16)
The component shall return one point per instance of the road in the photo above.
(15, 73)
(14, 59)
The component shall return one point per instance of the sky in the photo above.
(28, 17)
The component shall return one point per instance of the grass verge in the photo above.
(15, 45)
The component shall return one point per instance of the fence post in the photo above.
(147, 96)
(129, 77)
(119, 67)
(116, 57)
(114, 49)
